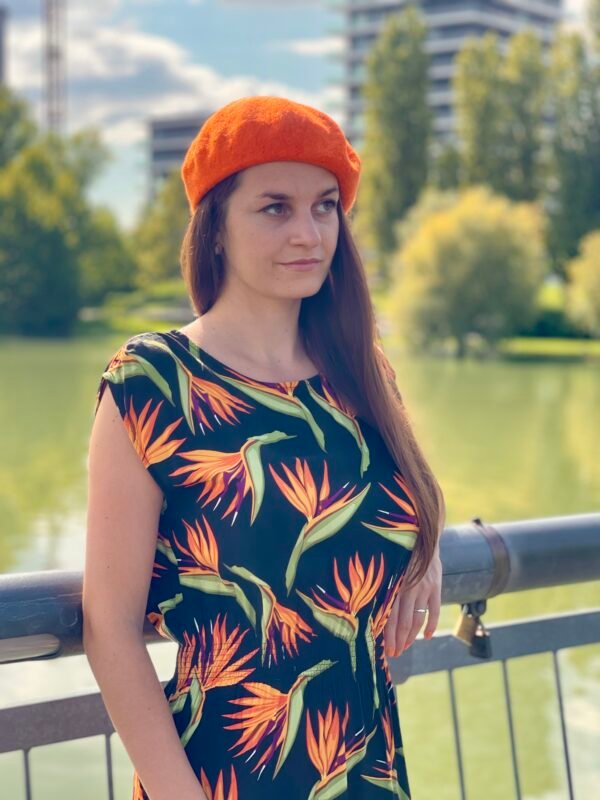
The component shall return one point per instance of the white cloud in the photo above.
(119, 76)
(324, 45)
(575, 7)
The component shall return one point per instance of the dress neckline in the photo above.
(218, 365)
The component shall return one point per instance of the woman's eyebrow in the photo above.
(282, 196)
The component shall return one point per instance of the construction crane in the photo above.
(54, 25)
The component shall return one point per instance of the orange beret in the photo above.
(255, 130)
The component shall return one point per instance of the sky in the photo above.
(129, 60)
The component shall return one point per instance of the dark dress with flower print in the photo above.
(285, 532)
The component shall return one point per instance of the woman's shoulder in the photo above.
(141, 383)
(140, 363)
(141, 353)
(144, 343)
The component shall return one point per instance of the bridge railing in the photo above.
(41, 618)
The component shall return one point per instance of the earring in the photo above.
(218, 248)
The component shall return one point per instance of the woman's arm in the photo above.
(124, 505)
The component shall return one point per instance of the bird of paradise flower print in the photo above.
(333, 752)
(345, 416)
(278, 621)
(158, 618)
(199, 566)
(276, 566)
(279, 397)
(401, 527)
(140, 429)
(386, 777)
(200, 397)
(338, 614)
(270, 718)
(218, 472)
(325, 513)
(204, 662)
(219, 790)
(375, 630)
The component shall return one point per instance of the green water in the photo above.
(506, 440)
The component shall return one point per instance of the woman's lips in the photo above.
(301, 265)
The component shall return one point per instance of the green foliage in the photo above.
(157, 238)
(583, 291)
(528, 126)
(107, 261)
(574, 194)
(85, 155)
(430, 201)
(397, 130)
(17, 129)
(499, 108)
(41, 211)
(56, 250)
(471, 268)
(444, 171)
(592, 14)
(551, 319)
(547, 348)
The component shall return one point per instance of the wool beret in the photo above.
(263, 128)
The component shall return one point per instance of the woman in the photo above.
(261, 519)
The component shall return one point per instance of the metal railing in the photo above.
(41, 618)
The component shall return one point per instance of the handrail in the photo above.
(41, 613)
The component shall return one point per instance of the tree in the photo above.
(573, 196)
(40, 214)
(524, 100)
(499, 100)
(444, 172)
(397, 132)
(158, 235)
(56, 250)
(107, 262)
(474, 267)
(477, 89)
(593, 21)
(84, 154)
(583, 290)
(431, 201)
(16, 126)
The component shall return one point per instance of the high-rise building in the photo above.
(170, 138)
(449, 23)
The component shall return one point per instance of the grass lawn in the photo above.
(129, 313)
(551, 348)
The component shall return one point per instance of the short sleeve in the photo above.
(136, 377)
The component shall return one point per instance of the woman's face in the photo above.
(263, 232)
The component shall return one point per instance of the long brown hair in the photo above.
(339, 333)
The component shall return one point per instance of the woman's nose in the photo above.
(306, 228)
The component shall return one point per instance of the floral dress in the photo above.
(284, 535)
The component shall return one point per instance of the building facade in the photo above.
(449, 23)
(169, 139)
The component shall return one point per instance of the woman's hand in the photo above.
(404, 623)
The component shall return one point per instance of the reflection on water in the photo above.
(506, 440)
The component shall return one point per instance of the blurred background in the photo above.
(478, 219)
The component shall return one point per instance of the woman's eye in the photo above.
(333, 204)
(273, 205)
